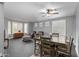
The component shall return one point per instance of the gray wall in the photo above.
(6, 27)
(1, 29)
(30, 27)
(46, 29)
(77, 30)
(70, 26)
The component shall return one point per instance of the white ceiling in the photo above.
(29, 11)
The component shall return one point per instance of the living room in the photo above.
(23, 19)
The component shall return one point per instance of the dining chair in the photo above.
(55, 34)
(55, 37)
(47, 49)
(65, 50)
(37, 43)
(41, 33)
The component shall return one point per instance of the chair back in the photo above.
(55, 34)
(41, 33)
(37, 42)
(45, 47)
(71, 44)
(55, 37)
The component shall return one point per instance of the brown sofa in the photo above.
(18, 35)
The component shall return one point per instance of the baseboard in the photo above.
(77, 52)
(76, 49)
(1, 55)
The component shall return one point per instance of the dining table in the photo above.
(54, 42)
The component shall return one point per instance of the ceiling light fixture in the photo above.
(49, 12)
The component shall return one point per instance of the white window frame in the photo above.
(25, 30)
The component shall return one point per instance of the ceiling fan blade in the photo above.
(43, 15)
(51, 10)
(55, 13)
(42, 12)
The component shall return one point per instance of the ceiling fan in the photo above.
(49, 12)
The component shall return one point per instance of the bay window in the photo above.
(14, 27)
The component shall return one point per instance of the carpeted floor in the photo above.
(18, 48)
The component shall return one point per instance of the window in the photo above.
(9, 27)
(16, 27)
(59, 27)
(26, 28)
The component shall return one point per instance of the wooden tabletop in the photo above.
(60, 40)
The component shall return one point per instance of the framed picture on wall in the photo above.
(36, 24)
(47, 24)
(41, 24)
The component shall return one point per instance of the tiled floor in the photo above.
(18, 48)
